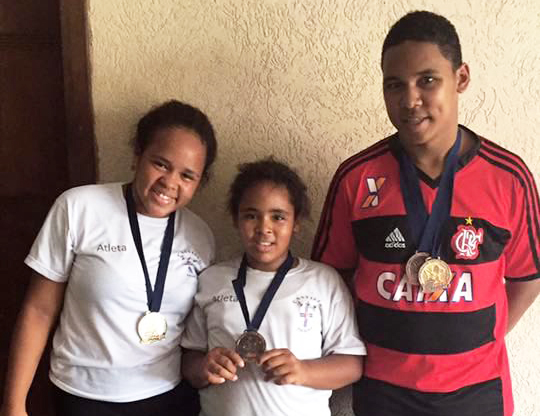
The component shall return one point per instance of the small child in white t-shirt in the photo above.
(270, 334)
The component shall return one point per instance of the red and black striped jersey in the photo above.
(449, 345)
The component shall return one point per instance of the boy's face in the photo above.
(421, 92)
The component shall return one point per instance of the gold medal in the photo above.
(413, 265)
(251, 345)
(434, 275)
(152, 327)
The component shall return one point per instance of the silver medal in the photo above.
(152, 327)
(413, 266)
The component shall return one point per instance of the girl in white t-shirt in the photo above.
(115, 350)
(305, 344)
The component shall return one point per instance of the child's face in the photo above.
(266, 223)
(421, 92)
(168, 172)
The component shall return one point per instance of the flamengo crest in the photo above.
(466, 240)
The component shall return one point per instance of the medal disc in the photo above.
(413, 265)
(434, 275)
(152, 327)
(251, 345)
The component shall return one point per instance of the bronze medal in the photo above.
(152, 327)
(413, 267)
(250, 345)
(434, 275)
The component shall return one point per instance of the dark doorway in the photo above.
(46, 141)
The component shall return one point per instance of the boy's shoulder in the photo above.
(500, 163)
(366, 156)
(499, 155)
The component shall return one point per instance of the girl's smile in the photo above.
(266, 223)
(168, 172)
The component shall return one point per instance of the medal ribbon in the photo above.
(240, 282)
(426, 228)
(155, 296)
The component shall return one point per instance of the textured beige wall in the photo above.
(300, 79)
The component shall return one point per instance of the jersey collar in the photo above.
(396, 148)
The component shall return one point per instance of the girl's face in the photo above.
(168, 172)
(266, 223)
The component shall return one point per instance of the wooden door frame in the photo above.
(78, 108)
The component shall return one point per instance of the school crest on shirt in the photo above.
(191, 259)
(308, 307)
(466, 240)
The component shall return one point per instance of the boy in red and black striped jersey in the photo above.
(442, 352)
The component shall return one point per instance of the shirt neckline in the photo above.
(396, 148)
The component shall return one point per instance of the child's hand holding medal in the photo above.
(220, 365)
(282, 367)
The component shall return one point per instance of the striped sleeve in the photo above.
(523, 250)
(334, 242)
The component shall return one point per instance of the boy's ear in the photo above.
(463, 77)
(296, 227)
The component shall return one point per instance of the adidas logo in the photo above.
(395, 239)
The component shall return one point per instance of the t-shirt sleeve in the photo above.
(52, 253)
(523, 249)
(195, 336)
(334, 242)
(340, 330)
(201, 237)
(212, 248)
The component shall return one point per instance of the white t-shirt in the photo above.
(86, 240)
(312, 315)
